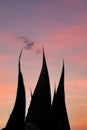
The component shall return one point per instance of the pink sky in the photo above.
(59, 26)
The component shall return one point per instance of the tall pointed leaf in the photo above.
(16, 119)
(41, 98)
(57, 117)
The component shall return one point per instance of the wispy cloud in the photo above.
(28, 43)
(21, 38)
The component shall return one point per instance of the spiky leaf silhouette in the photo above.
(16, 119)
(41, 98)
(57, 118)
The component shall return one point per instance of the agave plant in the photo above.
(41, 115)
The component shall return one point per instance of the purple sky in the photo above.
(61, 27)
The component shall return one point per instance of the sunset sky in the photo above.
(60, 26)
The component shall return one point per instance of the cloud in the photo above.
(21, 38)
(28, 43)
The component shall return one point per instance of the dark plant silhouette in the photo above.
(16, 119)
(41, 115)
(57, 118)
(41, 99)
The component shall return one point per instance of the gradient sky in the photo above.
(61, 27)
